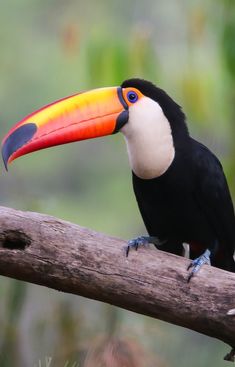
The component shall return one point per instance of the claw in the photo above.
(141, 241)
(135, 243)
(198, 262)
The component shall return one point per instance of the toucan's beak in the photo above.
(82, 116)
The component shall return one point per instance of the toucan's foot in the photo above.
(198, 262)
(142, 241)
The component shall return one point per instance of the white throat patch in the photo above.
(149, 139)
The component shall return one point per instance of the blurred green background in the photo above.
(50, 49)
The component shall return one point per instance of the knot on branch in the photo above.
(14, 240)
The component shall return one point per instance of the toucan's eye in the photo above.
(132, 96)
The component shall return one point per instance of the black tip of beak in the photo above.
(16, 140)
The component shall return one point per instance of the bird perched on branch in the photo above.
(179, 183)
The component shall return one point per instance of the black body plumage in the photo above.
(190, 202)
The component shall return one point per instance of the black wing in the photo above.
(213, 195)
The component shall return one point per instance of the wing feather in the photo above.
(213, 196)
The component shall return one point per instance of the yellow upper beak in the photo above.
(82, 116)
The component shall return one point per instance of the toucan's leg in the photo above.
(198, 262)
(205, 258)
(143, 241)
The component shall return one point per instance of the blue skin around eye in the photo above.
(131, 94)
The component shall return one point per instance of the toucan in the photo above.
(179, 184)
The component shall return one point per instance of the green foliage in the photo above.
(228, 37)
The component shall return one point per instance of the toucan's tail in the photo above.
(232, 265)
(225, 262)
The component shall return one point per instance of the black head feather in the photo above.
(170, 108)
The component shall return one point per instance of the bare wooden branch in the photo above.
(51, 252)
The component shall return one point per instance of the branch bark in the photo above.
(54, 253)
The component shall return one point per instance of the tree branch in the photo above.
(51, 252)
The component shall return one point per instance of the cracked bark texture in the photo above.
(44, 250)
